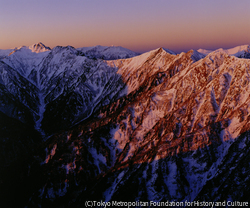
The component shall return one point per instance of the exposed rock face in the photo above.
(157, 126)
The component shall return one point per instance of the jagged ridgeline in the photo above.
(108, 124)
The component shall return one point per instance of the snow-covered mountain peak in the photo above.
(176, 127)
(169, 51)
(236, 50)
(218, 54)
(190, 55)
(136, 70)
(141, 59)
(61, 49)
(155, 52)
(107, 52)
(26, 58)
(242, 51)
(39, 47)
(35, 48)
(204, 51)
(195, 55)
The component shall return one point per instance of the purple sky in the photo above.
(139, 25)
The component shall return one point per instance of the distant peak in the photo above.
(162, 50)
(39, 47)
(231, 51)
(35, 48)
(62, 49)
(220, 51)
(192, 54)
(159, 50)
(169, 51)
(196, 56)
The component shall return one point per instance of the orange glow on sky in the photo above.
(138, 25)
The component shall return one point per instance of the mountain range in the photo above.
(108, 124)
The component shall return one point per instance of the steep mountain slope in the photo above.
(72, 85)
(181, 128)
(43, 91)
(157, 126)
(169, 51)
(18, 96)
(66, 85)
(24, 59)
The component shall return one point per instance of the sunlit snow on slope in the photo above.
(236, 51)
(162, 126)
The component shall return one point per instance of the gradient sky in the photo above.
(139, 25)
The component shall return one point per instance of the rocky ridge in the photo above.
(157, 126)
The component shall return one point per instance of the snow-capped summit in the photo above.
(204, 51)
(25, 58)
(39, 47)
(242, 51)
(166, 127)
(195, 55)
(35, 48)
(62, 49)
(169, 51)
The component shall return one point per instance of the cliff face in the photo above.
(157, 126)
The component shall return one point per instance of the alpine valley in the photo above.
(108, 124)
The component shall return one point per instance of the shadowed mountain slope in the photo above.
(156, 126)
